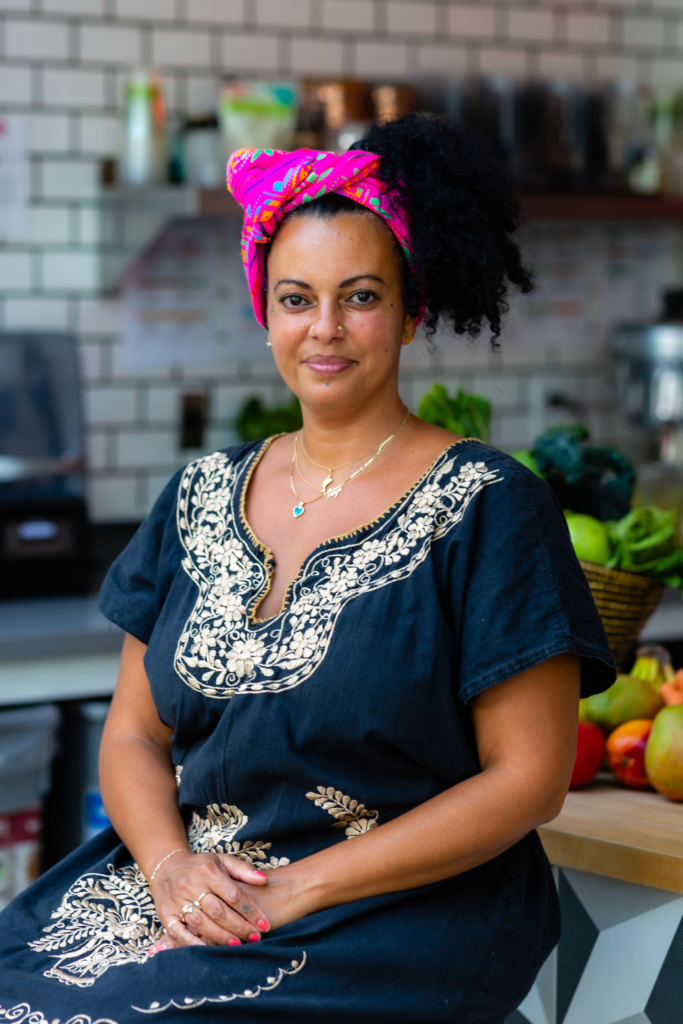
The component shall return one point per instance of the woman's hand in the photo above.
(279, 899)
(224, 886)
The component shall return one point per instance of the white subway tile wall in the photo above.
(63, 64)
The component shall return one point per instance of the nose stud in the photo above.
(340, 328)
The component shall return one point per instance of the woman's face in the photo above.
(326, 274)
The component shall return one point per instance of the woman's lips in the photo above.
(327, 365)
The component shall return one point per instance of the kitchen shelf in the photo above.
(133, 219)
(601, 207)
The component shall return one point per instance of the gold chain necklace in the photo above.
(334, 492)
(330, 470)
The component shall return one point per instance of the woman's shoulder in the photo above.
(470, 453)
(492, 490)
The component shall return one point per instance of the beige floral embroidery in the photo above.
(23, 1014)
(108, 920)
(178, 775)
(350, 815)
(103, 921)
(249, 993)
(221, 651)
(215, 834)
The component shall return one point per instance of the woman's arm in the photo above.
(526, 737)
(137, 779)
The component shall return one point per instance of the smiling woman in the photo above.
(370, 630)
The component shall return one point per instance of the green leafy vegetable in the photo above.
(646, 540)
(467, 415)
(255, 421)
(586, 478)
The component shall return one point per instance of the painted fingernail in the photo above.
(263, 925)
(234, 942)
(151, 951)
(261, 873)
(254, 937)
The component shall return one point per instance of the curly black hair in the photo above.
(463, 214)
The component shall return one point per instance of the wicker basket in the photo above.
(625, 600)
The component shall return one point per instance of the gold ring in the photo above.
(186, 910)
(198, 901)
(174, 920)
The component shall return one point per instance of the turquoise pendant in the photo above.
(298, 510)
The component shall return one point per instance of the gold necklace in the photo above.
(330, 470)
(334, 492)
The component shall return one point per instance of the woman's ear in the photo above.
(409, 329)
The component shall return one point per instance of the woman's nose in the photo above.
(327, 326)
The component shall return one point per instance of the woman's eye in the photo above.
(363, 298)
(293, 301)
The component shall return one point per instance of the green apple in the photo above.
(590, 539)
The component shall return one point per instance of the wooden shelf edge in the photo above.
(612, 860)
(601, 207)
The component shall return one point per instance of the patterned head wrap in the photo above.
(269, 183)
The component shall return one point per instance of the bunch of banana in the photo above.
(653, 666)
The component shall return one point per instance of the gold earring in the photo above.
(409, 340)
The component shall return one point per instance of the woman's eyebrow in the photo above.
(360, 277)
(293, 280)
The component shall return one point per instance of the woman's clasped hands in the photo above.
(207, 899)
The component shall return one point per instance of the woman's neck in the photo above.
(332, 439)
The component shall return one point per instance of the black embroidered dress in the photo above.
(344, 711)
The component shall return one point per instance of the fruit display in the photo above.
(638, 721)
(626, 752)
(628, 698)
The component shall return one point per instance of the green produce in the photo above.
(527, 459)
(589, 538)
(646, 540)
(664, 753)
(595, 481)
(467, 415)
(255, 421)
(626, 699)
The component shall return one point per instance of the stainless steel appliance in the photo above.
(649, 360)
(43, 521)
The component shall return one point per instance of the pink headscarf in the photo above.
(269, 183)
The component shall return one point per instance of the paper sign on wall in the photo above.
(186, 301)
(13, 179)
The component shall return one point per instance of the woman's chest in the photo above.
(356, 591)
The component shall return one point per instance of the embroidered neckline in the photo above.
(269, 557)
(222, 651)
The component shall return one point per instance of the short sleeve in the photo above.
(523, 594)
(137, 582)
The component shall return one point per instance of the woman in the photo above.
(371, 630)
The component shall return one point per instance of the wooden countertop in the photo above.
(621, 833)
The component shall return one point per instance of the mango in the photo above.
(664, 753)
(626, 699)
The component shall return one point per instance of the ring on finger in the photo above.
(198, 902)
(173, 920)
(186, 910)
